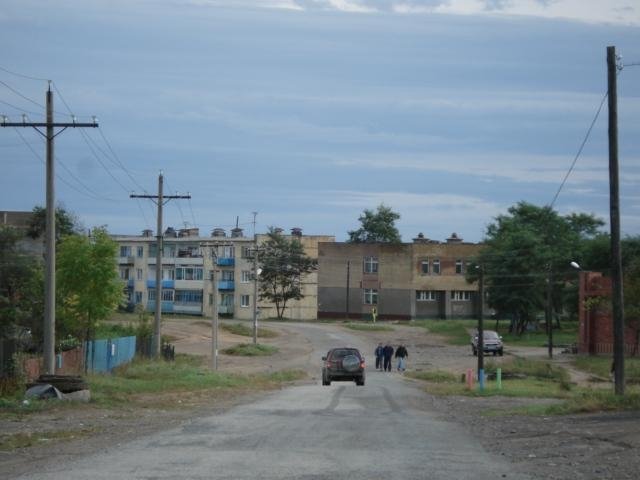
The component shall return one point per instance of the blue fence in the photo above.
(105, 355)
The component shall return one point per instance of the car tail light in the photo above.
(361, 363)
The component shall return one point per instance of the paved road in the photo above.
(383, 430)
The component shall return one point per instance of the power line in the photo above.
(573, 164)
(19, 108)
(21, 75)
(21, 95)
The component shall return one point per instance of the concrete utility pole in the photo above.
(617, 298)
(481, 331)
(549, 312)
(159, 200)
(50, 229)
(348, 286)
(255, 281)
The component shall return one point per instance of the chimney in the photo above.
(296, 231)
(170, 232)
(218, 232)
(147, 232)
(278, 231)
(236, 232)
(454, 238)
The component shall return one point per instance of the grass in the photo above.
(23, 440)
(437, 376)
(247, 331)
(250, 350)
(601, 367)
(368, 327)
(455, 331)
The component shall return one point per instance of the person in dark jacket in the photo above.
(379, 353)
(387, 352)
(401, 355)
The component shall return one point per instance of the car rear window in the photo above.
(344, 352)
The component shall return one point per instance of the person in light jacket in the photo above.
(401, 355)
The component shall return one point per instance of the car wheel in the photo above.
(501, 353)
(360, 382)
(495, 353)
(475, 352)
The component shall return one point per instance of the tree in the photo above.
(66, 223)
(523, 250)
(88, 285)
(21, 287)
(283, 263)
(376, 227)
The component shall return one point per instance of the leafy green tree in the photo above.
(67, 223)
(283, 263)
(88, 285)
(21, 287)
(376, 227)
(524, 249)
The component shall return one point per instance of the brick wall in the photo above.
(596, 324)
(70, 362)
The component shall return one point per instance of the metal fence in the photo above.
(105, 355)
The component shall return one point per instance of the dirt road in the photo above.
(578, 446)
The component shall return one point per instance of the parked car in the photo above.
(492, 343)
(343, 364)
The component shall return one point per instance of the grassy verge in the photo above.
(142, 380)
(247, 330)
(24, 440)
(368, 327)
(568, 334)
(250, 350)
(601, 367)
(455, 331)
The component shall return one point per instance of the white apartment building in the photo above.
(188, 264)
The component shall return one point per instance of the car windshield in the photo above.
(491, 335)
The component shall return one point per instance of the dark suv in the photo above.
(492, 343)
(343, 364)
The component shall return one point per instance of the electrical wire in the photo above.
(19, 108)
(586, 137)
(21, 95)
(21, 75)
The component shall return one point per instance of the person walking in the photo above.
(401, 355)
(379, 353)
(387, 352)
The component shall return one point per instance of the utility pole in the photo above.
(348, 286)
(481, 331)
(160, 199)
(617, 298)
(50, 228)
(549, 312)
(255, 281)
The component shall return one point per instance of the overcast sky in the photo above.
(310, 111)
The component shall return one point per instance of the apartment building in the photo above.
(188, 264)
(422, 279)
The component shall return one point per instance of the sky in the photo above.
(308, 112)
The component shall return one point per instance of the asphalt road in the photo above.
(383, 430)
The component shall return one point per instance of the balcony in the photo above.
(225, 309)
(226, 261)
(226, 285)
(165, 284)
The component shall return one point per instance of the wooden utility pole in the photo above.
(549, 312)
(255, 281)
(617, 298)
(481, 331)
(160, 199)
(49, 330)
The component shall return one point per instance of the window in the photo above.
(426, 295)
(124, 274)
(370, 296)
(461, 295)
(424, 267)
(227, 276)
(246, 276)
(125, 251)
(138, 297)
(370, 264)
(139, 274)
(189, 273)
(436, 266)
(459, 267)
(167, 295)
(246, 252)
(140, 252)
(228, 251)
(244, 300)
(188, 296)
(226, 299)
